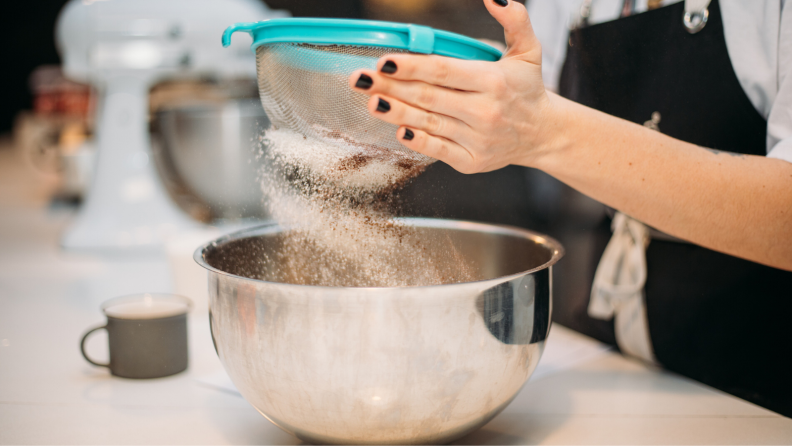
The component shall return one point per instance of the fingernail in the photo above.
(364, 81)
(389, 67)
(383, 106)
(408, 135)
(501, 2)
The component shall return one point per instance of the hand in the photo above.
(475, 116)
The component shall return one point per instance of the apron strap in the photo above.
(694, 19)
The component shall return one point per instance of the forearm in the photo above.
(481, 116)
(736, 204)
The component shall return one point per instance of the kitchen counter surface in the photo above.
(49, 394)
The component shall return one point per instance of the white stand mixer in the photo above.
(123, 48)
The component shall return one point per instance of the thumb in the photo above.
(521, 42)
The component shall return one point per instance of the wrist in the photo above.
(552, 136)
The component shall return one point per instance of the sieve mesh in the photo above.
(305, 88)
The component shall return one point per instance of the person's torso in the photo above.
(713, 317)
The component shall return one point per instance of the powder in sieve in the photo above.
(356, 167)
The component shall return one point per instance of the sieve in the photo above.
(303, 66)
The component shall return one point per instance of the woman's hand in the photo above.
(475, 116)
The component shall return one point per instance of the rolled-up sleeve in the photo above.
(779, 122)
(782, 150)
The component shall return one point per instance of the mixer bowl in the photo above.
(211, 148)
(383, 365)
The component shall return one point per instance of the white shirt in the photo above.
(758, 37)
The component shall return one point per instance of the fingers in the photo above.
(454, 103)
(438, 148)
(399, 113)
(466, 75)
(520, 37)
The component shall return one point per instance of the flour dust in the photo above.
(337, 200)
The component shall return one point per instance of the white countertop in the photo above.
(49, 394)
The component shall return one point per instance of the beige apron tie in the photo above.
(617, 291)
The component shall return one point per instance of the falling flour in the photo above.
(337, 200)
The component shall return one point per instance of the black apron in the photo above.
(712, 317)
(493, 197)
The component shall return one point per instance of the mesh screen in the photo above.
(305, 88)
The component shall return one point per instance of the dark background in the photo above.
(27, 33)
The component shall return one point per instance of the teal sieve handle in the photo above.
(246, 27)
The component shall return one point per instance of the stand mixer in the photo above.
(123, 48)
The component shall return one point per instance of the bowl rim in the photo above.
(552, 244)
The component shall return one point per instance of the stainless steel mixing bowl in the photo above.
(383, 365)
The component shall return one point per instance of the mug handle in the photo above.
(82, 346)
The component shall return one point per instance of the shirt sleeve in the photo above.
(550, 20)
(779, 123)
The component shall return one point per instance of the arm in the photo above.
(479, 116)
(737, 204)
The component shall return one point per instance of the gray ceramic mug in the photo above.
(147, 335)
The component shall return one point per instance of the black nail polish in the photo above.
(383, 106)
(389, 67)
(408, 135)
(364, 81)
(501, 2)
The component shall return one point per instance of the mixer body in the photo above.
(384, 365)
(123, 48)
